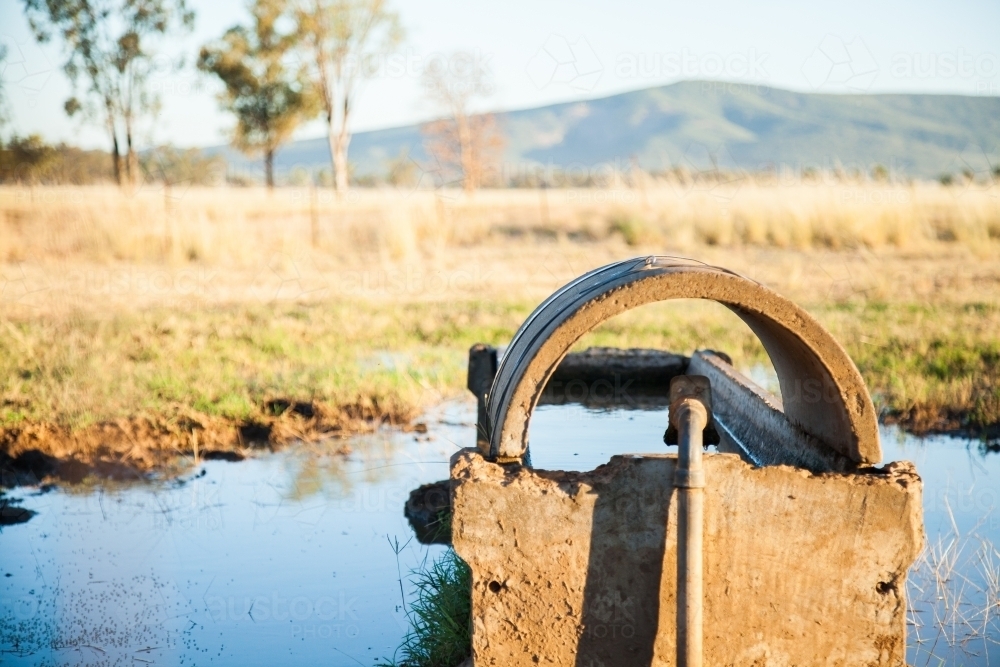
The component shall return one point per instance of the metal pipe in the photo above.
(690, 417)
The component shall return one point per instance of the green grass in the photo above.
(927, 365)
(228, 362)
(440, 616)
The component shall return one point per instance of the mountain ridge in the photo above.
(706, 124)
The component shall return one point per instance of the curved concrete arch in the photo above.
(821, 389)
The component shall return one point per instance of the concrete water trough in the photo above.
(788, 544)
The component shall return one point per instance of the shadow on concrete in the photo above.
(621, 607)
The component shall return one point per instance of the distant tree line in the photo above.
(32, 161)
(293, 61)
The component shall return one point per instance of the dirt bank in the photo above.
(34, 453)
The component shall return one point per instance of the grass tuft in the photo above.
(440, 616)
(953, 595)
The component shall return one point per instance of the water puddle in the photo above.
(292, 557)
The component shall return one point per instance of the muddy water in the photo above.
(292, 557)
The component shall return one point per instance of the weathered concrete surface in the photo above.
(822, 391)
(580, 568)
(751, 421)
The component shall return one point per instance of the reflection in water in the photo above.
(11, 512)
(284, 558)
(312, 471)
(278, 559)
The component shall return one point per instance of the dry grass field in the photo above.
(140, 326)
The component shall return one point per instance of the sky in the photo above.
(542, 52)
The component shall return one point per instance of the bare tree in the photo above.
(343, 39)
(463, 142)
(109, 46)
(269, 97)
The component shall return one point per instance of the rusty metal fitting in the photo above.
(691, 411)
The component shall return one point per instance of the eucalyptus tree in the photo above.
(264, 86)
(110, 48)
(346, 42)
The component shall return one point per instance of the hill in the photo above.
(698, 123)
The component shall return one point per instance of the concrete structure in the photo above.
(806, 545)
(823, 394)
(579, 568)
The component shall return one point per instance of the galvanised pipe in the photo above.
(690, 418)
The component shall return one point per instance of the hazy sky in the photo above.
(543, 51)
